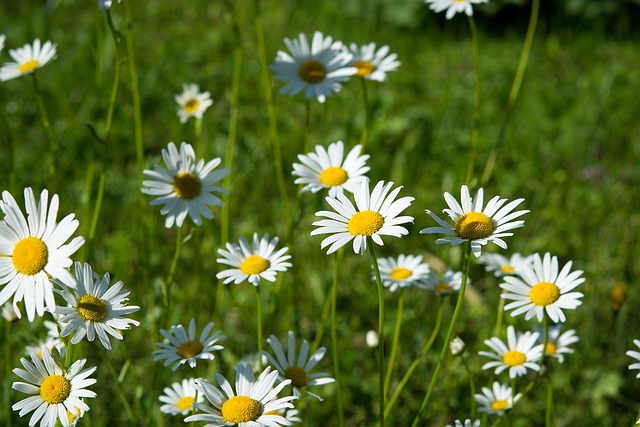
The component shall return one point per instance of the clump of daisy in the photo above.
(328, 168)
(454, 6)
(519, 354)
(445, 283)
(28, 59)
(475, 223)
(192, 102)
(636, 355)
(465, 423)
(184, 347)
(402, 272)
(558, 343)
(317, 69)
(180, 398)
(373, 64)
(185, 186)
(502, 266)
(497, 399)
(541, 289)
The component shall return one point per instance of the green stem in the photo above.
(197, 131)
(374, 261)
(365, 106)
(47, 125)
(472, 385)
(259, 316)
(475, 132)
(548, 419)
(394, 344)
(174, 262)
(7, 364)
(334, 340)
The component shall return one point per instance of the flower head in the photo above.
(557, 343)
(442, 284)
(192, 103)
(405, 271)
(186, 348)
(28, 59)
(501, 266)
(453, 6)
(496, 400)
(519, 354)
(179, 399)
(636, 355)
(373, 64)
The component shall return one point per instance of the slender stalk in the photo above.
(394, 342)
(499, 317)
(334, 340)
(47, 125)
(8, 362)
(166, 295)
(475, 132)
(548, 417)
(365, 108)
(259, 316)
(472, 385)
(374, 261)
(197, 131)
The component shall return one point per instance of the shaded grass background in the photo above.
(571, 150)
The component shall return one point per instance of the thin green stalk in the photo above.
(166, 295)
(475, 132)
(499, 317)
(394, 343)
(123, 398)
(334, 341)
(365, 107)
(376, 269)
(197, 131)
(8, 363)
(548, 418)
(542, 357)
(47, 125)
(472, 385)
(259, 316)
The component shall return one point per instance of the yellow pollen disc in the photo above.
(55, 389)
(29, 66)
(185, 403)
(474, 225)
(499, 405)
(365, 68)
(30, 256)
(312, 71)
(254, 264)
(551, 348)
(507, 269)
(365, 223)
(333, 176)
(190, 349)
(92, 309)
(240, 409)
(514, 358)
(186, 185)
(400, 273)
(544, 293)
(297, 375)
(191, 106)
(443, 288)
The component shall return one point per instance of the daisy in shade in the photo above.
(186, 187)
(33, 250)
(253, 403)
(318, 69)
(405, 271)
(636, 355)
(375, 214)
(28, 59)
(496, 400)
(253, 261)
(519, 354)
(186, 348)
(54, 391)
(298, 371)
(557, 343)
(465, 423)
(94, 308)
(192, 102)
(453, 6)
(475, 224)
(328, 168)
(501, 266)
(373, 64)
(442, 284)
(179, 399)
(542, 289)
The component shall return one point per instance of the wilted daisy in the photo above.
(298, 371)
(192, 102)
(636, 355)
(28, 59)
(318, 69)
(405, 271)
(179, 399)
(557, 343)
(373, 64)
(54, 391)
(496, 400)
(453, 6)
(541, 289)
(34, 251)
(465, 423)
(519, 354)
(186, 186)
(375, 214)
(445, 283)
(475, 224)
(254, 403)
(253, 261)
(186, 348)
(94, 308)
(501, 266)
(328, 168)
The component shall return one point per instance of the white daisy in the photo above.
(496, 400)
(252, 404)
(442, 284)
(372, 64)
(557, 344)
(28, 59)
(192, 103)
(375, 214)
(33, 251)
(475, 224)
(51, 341)
(519, 354)
(253, 261)
(298, 371)
(405, 271)
(636, 355)
(327, 168)
(542, 289)
(501, 266)
(54, 391)
(465, 423)
(179, 399)
(318, 69)
(186, 348)
(94, 308)
(454, 6)
(186, 186)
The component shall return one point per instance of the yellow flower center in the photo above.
(297, 375)
(443, 288)
(365, 68)
(507, 269)
(254, 264)
(30, 256)
(29, 66)
(190, 349)
(514, 358)
(55, 389)
(551, 348)
(240, 409)
(474, 225)
(186, 185)
(333, 175)
(191, 106)
(544, 293)
(499, 405)
(312, 71)
(92, 309)
(185, 403)
(400, 273)
(365, 223)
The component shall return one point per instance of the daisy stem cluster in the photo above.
(381, 363)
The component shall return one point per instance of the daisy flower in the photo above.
(34, 251)
(297, 371)
(475, 224)
(496, 400)
(636, 355)
(328, 168)
(405, 271)
(28, 59)
(186, 348)
(52, 340)
(557, 343)
(373, 64)
(192, 103)
(54, 391)
(186, 186)
(453, 6)
(94, 308)
(501, 266)
(318, 69)
(375, 214)
(542, 289)
(179, 399)
(465, 423)
(442, 284)
(252, 404)
(519, 354)
(253, 261)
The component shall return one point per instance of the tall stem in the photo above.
(47, 125)
(376, 269)
(475, 132)
(365, 109)
(174, 262)
(394, 342)
(259, 316)
(334, 340)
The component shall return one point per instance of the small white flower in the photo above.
(405, 271)
(447, 283)
(105, 4)
(519, 354)
(192, 103)
(636, 355)
(454, 6)
(179, 399)
(373, 64)
(28, 59)
(502, 266)
(496, 400)
(558, 344)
